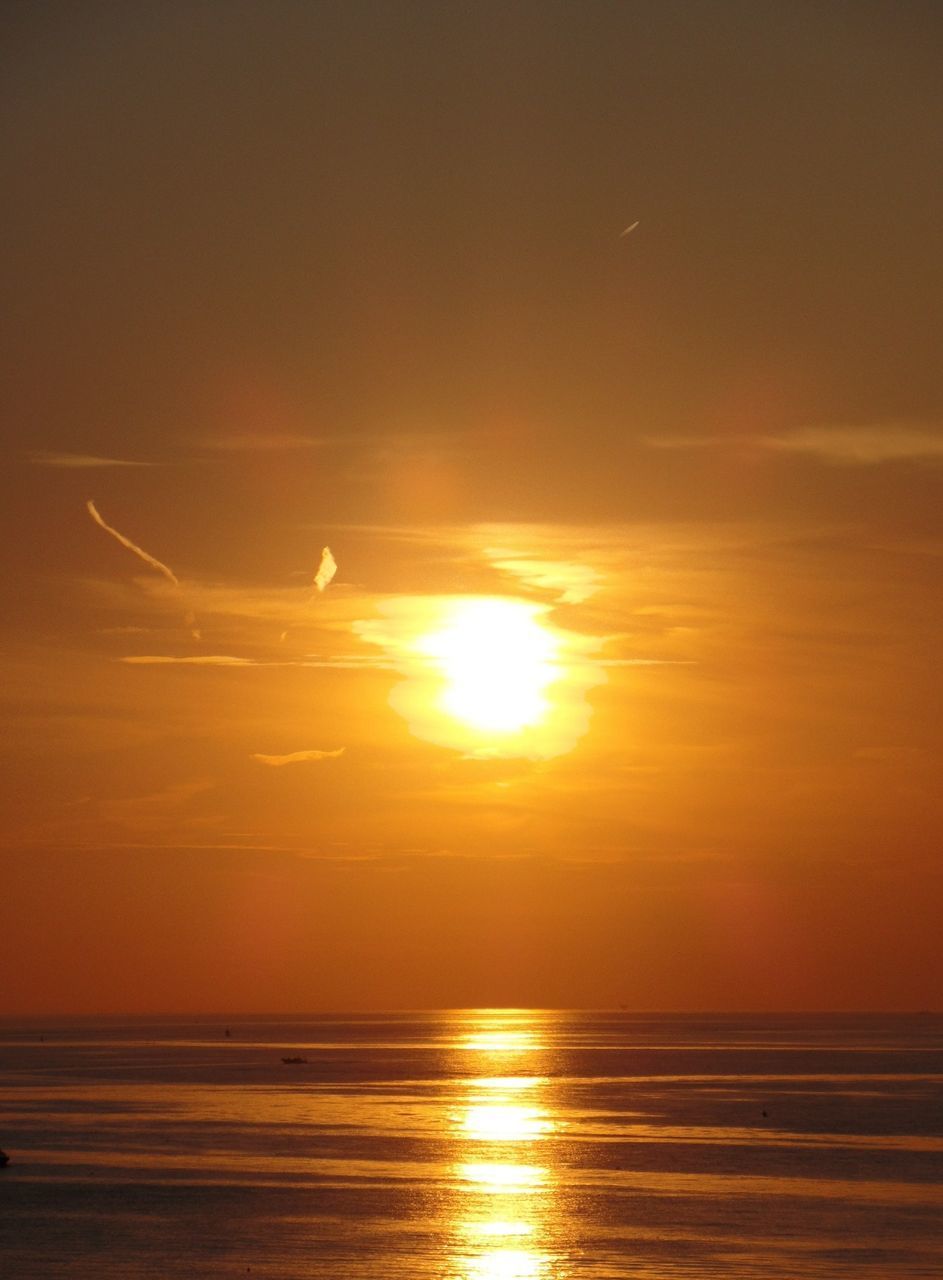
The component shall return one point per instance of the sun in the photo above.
(493, 677)
(497, 662)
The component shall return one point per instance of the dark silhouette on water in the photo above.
(293, 1061)
(4, 1159)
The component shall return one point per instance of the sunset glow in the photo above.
(471, 683)
(486, 497)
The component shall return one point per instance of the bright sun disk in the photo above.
(498, 662)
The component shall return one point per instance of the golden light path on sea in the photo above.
(506, 1208)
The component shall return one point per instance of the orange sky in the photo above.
(284, 276)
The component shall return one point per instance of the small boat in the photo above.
(291, 1062)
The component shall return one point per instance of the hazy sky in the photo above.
(627, 687)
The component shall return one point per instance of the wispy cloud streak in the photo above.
(351, 662)
(865, 445)
(259, 442)
(296, 757)
(81, 461)
(126, 542)
(196, 660)
(862, 445)
(570, 581)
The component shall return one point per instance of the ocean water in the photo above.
(473, 1145)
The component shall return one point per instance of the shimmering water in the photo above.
(473, 1146)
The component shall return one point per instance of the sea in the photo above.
(473, 1145)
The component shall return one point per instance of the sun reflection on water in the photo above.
(502, 1122)
(490, 1179)
(506, 1184)
(502, 1039)
(500, 1229)
(509, 1264)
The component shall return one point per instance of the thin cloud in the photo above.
(688, 442)
(126, 542)
(190, 617)
(345, 662)
(273, 608)
(296, 757)
(156, 807)
(350, 662)
(326, 570)
(252, 442)
(646, 662)
(570, 581)
(197, 660)
(864, 445)
(81, 461)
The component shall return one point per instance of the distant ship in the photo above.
(293, 1061)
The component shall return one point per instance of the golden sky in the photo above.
(626, 688)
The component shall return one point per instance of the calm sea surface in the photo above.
(473, 1145)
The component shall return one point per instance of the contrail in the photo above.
(142, 555)
(326, 569)
(627, 230)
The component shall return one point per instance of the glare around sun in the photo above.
(497, 662)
